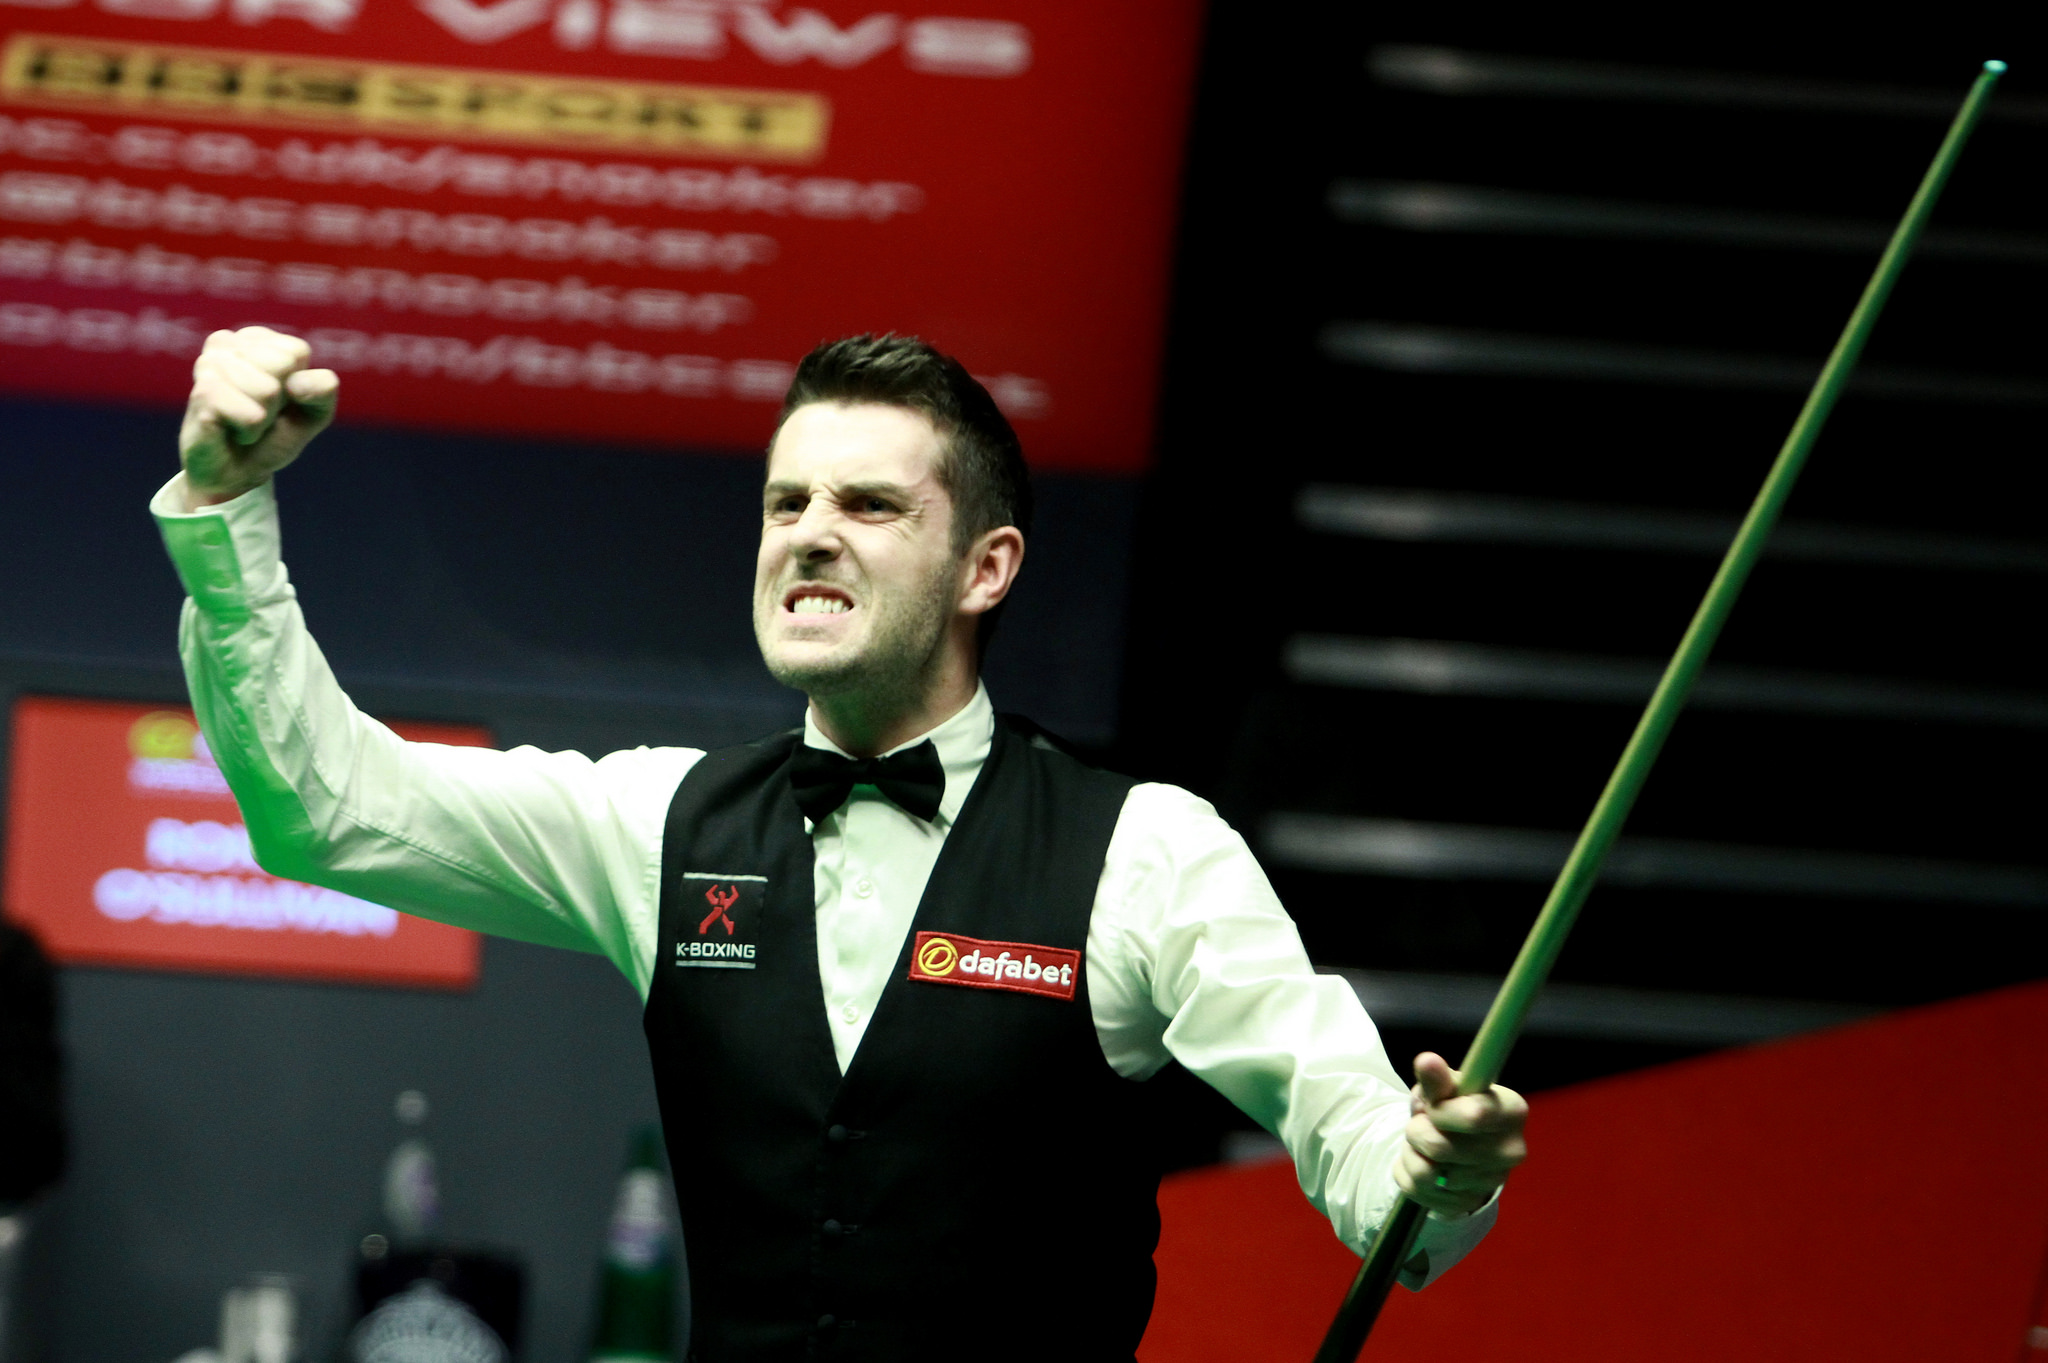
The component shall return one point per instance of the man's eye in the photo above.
(875, 506)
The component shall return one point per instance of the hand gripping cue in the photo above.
(1396, 1239)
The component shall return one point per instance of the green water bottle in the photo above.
(636, 1286)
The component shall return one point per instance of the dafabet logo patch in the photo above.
(948, 958)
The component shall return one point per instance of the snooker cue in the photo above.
(1497, 1034)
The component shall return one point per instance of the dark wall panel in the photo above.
(489, 573)
(225, 1127)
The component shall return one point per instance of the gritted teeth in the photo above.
(818, 601)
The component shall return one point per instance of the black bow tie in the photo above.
(914, 778)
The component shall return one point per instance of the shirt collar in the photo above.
(963, 742)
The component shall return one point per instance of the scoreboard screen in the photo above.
(125, 848)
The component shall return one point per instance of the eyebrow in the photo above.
(873, 488)
(878, 488)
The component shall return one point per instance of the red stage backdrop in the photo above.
(125, 848)
(618, 219)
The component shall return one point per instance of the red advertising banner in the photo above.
(607, 219)
(125, 848)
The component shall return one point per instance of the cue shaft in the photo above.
(1503, 1024)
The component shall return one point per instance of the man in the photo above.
(903, 970)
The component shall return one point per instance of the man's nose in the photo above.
(815, 536)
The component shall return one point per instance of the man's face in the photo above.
(857, 580)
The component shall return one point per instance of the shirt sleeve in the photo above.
(1192, 958)
(551, 848)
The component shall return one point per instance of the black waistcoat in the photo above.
(980, 1184)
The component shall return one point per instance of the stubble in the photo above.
(897, 658)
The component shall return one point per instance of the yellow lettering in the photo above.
(323, 91)
(512, 106)
(74, 71)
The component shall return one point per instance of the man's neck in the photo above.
(861, 728)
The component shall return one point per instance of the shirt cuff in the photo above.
(1446, 1239)
(225, 554)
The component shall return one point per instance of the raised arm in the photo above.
(545, 847)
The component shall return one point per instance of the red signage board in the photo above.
(125, 848)
(607, 219)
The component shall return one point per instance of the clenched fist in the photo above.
(254, 406)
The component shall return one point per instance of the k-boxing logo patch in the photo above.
(720, 920)
(948, 958)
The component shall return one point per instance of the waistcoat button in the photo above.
(827, 1322)
(836, 1134)
(833, 1228)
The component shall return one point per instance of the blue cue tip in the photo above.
(1994, 67)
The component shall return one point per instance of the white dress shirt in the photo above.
(1189, 954)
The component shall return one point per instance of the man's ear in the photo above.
(991, 567)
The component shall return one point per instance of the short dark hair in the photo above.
(982, 468)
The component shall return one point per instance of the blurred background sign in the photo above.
(125, 848)
(612, 219)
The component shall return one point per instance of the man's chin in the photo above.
(815, 671)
